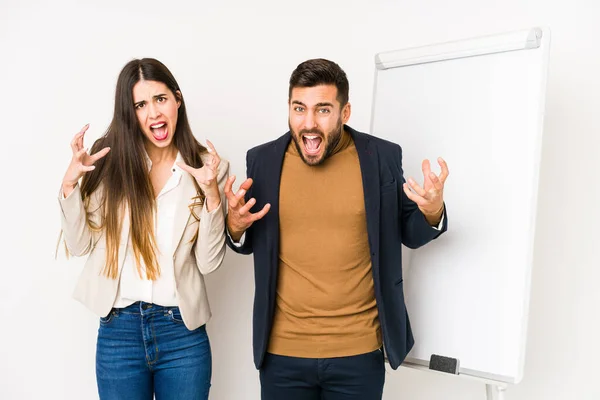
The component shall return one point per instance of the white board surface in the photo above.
(479, 104)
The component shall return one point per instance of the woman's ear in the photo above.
(178, 97)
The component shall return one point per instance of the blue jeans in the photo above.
(145, 350)
(358, 377)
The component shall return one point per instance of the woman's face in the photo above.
(156, 109)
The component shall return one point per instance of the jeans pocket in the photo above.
(175, 315)
(108, 319)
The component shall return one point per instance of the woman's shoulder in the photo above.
(95, 199)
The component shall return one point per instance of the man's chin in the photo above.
(313, 159)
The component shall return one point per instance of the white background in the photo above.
(58, 69)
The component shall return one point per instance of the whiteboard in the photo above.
(478, 103)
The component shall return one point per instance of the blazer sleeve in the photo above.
(210, 245)
(77, 234)
(245, 245)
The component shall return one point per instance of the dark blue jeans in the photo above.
(145, 350)
(358, 377)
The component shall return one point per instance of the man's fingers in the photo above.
(414, 197)
(229, 184)
(245, 213)
(240, 194)
(231, 199)
(261, 213)
(245, 218)
(236, 200)
(247, 184)
(245, 209)
(445, 172)
(416, 187)
(437, 184)
(426, 167)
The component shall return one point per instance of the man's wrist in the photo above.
(434, 218)
(235, 234)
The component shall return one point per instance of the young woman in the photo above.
(149, 213)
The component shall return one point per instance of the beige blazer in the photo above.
(191, 260)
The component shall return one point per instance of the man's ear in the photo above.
(346, 111)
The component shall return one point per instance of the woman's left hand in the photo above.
(207, 176)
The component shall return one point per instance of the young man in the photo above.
(325, 210)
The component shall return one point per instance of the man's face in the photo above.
(316, 118)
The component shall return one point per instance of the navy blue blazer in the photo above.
(392, 220)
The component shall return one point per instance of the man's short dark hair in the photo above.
(319, 71)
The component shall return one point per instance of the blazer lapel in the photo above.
(369, 168)
(274, 167)
(182, 210)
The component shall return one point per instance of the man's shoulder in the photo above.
(261, 148)
(382, 145)
(270, 146)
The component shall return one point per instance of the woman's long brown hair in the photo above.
(124, 173)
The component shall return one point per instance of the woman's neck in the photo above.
(159, 155)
